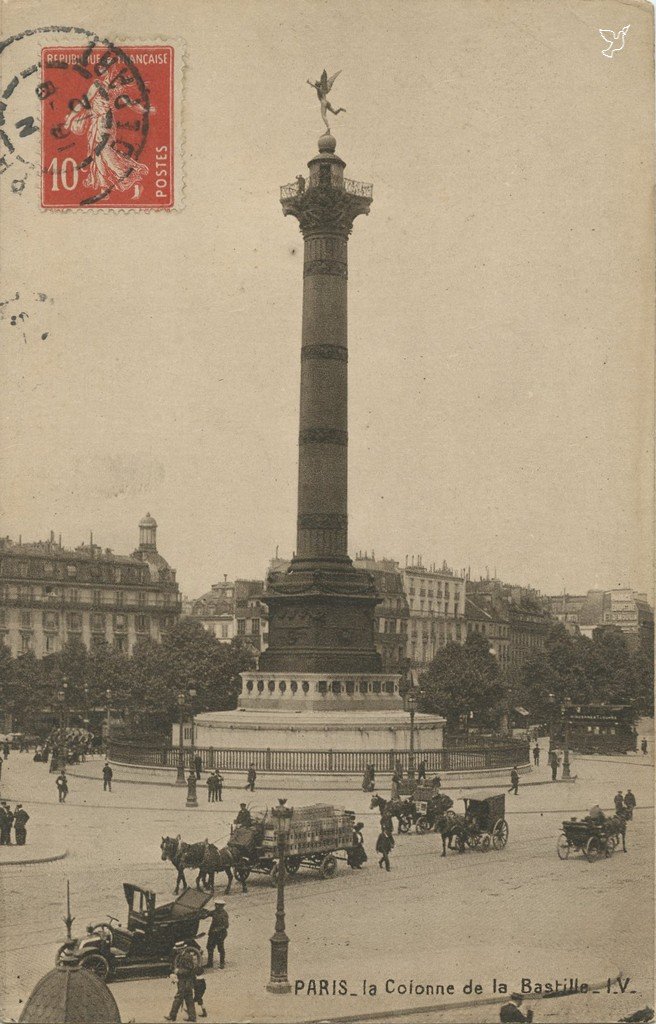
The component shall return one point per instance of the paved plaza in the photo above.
(513, 914)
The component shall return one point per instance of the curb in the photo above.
(33, 860)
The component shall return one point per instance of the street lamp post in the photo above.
(180, 780)
(108, 695)
(411, 704)
(279, 982)
(565, 712)
(192, 694)
(63, 723)
(551, 700)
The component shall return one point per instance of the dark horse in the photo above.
(208, 859)
(617, 828)
(402, 810)
(451, 826)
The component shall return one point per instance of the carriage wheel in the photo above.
(484, 844)
(562, 846)
(500, 834)
(423, 825)
(241, 874)
(611, 842)
(97, 963)
(592, 849)
(328, 866)
(292, 864)
(404, 824)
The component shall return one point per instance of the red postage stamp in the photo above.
(107, 127)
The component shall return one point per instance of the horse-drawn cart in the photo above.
(485, 821)
(317, 835)
(592, 838)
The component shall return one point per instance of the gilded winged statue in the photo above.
(323, 87)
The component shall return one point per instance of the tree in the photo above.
(463, 678)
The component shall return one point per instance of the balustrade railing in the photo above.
(354, 188)
(319, 761)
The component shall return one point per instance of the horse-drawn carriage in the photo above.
(592, 838)
(430, 806)
(317, 835)
(485, 821)
(146, 942)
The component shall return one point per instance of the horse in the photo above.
(618, 828)
(452, 826)
(402, 810)
(208, 859)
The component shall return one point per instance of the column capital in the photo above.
(324, 209)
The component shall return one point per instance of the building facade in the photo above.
(623, 607)
(436, 602)
(50, 594)
(392, 614)
(486, 616)
(522, 623)
(234, 608)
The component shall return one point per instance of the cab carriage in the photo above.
(147, 940)
(485, 821)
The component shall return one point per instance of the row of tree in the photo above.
(466, 678)
(144, 687)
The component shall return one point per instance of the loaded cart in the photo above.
(317, 834)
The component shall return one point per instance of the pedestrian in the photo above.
(62, 786)
(211, 789)
(629, 803)
(21, 818)
(200, 987)
(108, 775)
(198, 765)
(643, 746)
(510, 1013)
(366, 779)
(5, 833)
(394, 788)
(356, 855)
(421, 772)
(185, 967)
(218, 786)
(514, 781)
(384, 846)
(554, 760)
(0, 766)
(250, 778)
(243, 816)
(618, 800)
(536, 755)
(217, 932)
(5, 748)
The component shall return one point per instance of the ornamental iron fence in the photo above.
(319, 761)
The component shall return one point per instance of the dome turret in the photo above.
(148, 533)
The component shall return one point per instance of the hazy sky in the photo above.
(500, 295)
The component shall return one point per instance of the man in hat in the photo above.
(629, 803)
(108, 775)
(198, 766)
(21, 818)
(384, 846)
(536, 754)
(62, 786)
(510, 1013)
(250, 778)
(218, 785)
(421, 772)
(244, 816)
(618, 800)
(185, 961)
(356, 854)
(5, 824)
(514, 781)
(217, 933)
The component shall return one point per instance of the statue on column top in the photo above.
(323, 87)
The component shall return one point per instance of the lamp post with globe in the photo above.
(279, 982)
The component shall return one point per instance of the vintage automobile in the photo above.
(147, 941)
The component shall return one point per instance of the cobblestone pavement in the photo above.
(513, 914)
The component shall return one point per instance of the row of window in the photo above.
(71, 595)
(53, 620)
(72, 570)
(428, 591)
(241, 626)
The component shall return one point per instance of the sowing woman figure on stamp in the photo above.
(108, 168)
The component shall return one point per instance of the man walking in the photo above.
(21, 818)
(618, 800)
(421, 773)
(218, 785)
(0, 766)
(250, 778)
(186, 965)
(510, 1013)
(536, 755)
(554, 761)
(211, 788)
(62, 786)
(5, 836)
(217, 933)
(629, 803)
(108, 775)
(198, 766)
(514, 781)
(384, 846)
(643, 746)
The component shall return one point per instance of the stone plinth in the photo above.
(275, 729)
(315, 691)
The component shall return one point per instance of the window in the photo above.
(97, 623)
(241, 627)
(71, 569)
(73, 595)
(120, 622)
(141, 598)
(51, 643)
(26, 620)
(26, 643)
(74, 622)
(224, 630)
(255, 626)
(120, 598)
(22, 568)
(51, 620)
(142, 623)
(121, 643)
(97, 597)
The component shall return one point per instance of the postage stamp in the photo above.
(107, 130)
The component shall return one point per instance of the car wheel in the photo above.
(97, 963)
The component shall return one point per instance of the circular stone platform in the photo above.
(339, 731)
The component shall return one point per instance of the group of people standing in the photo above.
(214, 786)
(18, 819)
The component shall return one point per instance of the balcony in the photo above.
(354, 188)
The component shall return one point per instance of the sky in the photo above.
(500, 296)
